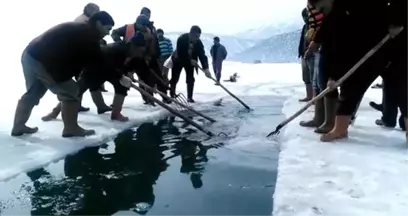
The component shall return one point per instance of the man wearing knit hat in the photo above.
(144, 57)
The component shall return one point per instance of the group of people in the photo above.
(77, 50)
(335, 36)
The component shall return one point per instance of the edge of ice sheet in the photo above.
(363, 175)
(27, 153)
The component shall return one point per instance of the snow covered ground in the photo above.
(362, 175)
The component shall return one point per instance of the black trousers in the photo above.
(395, 91)
(325, 66)
(389, 105)
(93, 82)
(354, 88)
(175, 76)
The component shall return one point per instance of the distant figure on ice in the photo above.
(218, 55)
(51, 60)
(189, 48)
(166, 49)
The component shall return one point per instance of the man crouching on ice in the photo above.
(144, 59)
(112, 69)
(51, 60)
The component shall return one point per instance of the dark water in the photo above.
(153, 169)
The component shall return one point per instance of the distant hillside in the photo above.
(233, 44)
(269, 30)
(280, 48)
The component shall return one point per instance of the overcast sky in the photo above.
(213, 16)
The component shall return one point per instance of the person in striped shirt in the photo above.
(166, 49)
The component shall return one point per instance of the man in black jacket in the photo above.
(50, 62)
(189, 49)
(111, 70)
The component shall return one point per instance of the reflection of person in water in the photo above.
(143, 157)
(192, 162)
(105, 183)
(40, 203)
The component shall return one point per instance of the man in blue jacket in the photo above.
(218, 54)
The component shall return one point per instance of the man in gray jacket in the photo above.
(218, 54)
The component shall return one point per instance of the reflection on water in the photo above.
(160, 169)
(103, 182)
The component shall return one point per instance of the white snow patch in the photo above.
(364, 175)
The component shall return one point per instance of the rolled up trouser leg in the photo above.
(35, 89)
(68, 93)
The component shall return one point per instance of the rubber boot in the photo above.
(99, 102)
(339, 130)
(23, 112)
(53, 114)
(69, 113)
(103, 89)
(117, 105)
(401, 123)
(330, 106)
(172, 91)
(318, 118)
(190, 92)
(309, 93)
(406, 131)
(166, 101)
(81, 108)
(376, 106)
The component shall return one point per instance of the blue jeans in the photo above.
(308, 70)
(318, 81)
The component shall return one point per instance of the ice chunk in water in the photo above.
(142, 207)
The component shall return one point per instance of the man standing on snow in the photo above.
(307, 63)
(189, 49)
(218, 55)
(50, 62)
(166, 49)
(324, 114)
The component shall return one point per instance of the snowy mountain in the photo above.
(276, 49)
(233, 44)
(272, 43)
(266, 31)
